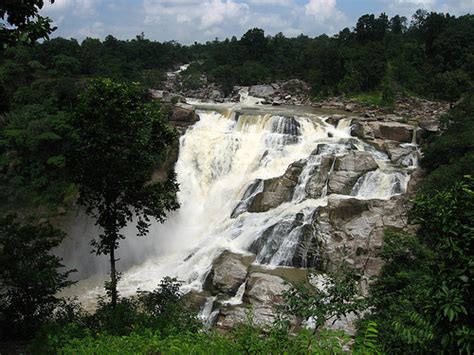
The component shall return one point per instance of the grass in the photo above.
(369, 99)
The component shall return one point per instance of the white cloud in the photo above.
(76, 7)
(417, 2)
(323, 10)
(271, 2)
(200, 20)
(205, 14)
(458, 7)
(96, 30)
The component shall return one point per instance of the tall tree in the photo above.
(119, 140)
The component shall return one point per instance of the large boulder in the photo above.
(277, 190)
(348, 169)
(430, 125)
(294, 86)
(263, 91)
(228, 272)
(405, 155)
(362, 130)
(264, 289)
(262, 293)
(357, 161)
(183, 116)
(396, 131)
(395, 150)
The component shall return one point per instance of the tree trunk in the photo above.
(113, 277)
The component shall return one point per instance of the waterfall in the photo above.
(380, 185)
(224, 161)
(344, 125)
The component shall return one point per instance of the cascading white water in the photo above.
(222, 162)
(381, 185)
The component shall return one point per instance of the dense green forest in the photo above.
(421, 303)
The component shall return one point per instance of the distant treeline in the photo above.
(432, 56)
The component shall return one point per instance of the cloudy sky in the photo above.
(187, 21)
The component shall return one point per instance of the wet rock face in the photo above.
(319, 178)
(277, 190)
(346, 170)
(338, 172)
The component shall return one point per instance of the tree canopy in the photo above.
(21, 22)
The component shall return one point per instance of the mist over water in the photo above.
(222, 161)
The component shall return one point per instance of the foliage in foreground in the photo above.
(423, 299)
(159, 321)
(246, 338)
(250, 341)
(29, 276)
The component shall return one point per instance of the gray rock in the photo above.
(277, 190)
(362, 130)
(334, 119)
(264, 289)
(166, 96)
(195, 300)
(294, 86)
(353, 230)
(348, 169)
(396, 131)
(262, 293)
(397, 153)
(430, 125)
(350, 107)
(357, 161)
(319, 178)
(181, 117)
(263, 91)
(230, 316)
(216, 94)
(228, 272)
